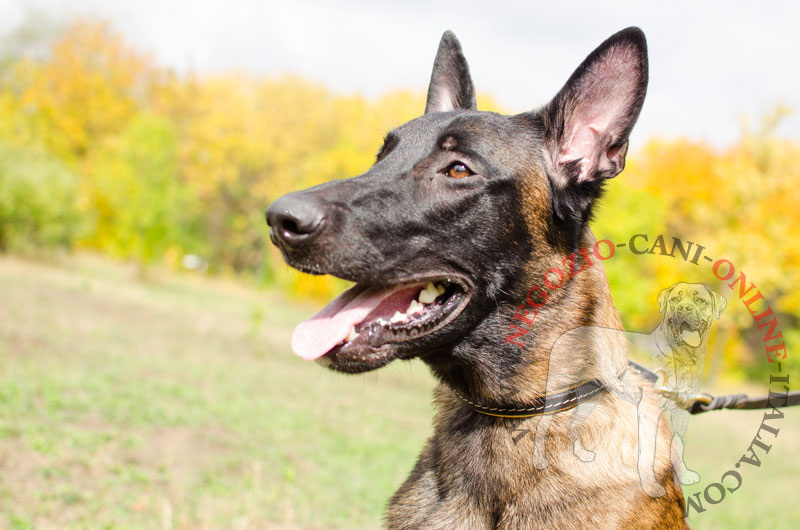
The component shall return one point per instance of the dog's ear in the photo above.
(663, 298)
(718, 302)
(451, 85)
(588, 122)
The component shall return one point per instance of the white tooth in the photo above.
(429, 294)
(352, 335)
(398, 317)
(414, 307)
(440, 288)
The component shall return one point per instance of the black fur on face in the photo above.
(473, 197)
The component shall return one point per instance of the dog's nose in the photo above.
(294, 219)
(685, 308)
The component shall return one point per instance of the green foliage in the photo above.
(740, 204)
(102, 148)
(38, 202)
(146, 209)
(624, 211)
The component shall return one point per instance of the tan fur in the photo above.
(472, 476)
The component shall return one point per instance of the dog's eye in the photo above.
(458, 170)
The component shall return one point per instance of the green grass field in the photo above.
(176, 403)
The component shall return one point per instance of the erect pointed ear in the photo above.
(451, 86)
(663, 298)
(587, 124)
(719, 302)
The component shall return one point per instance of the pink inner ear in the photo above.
(445, 100)
(582, 145)
(585, 142)
(602, 100)
(614, 151)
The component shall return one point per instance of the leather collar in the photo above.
(550, 404)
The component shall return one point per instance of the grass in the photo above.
(175, 403)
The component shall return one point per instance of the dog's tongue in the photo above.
(691, 337)
(316, 337)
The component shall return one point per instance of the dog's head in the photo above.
(459, 207)
(689, 309)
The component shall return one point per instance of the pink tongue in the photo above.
(316, 337)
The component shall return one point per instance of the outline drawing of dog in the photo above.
(675, 349)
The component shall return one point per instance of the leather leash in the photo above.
(694, 403)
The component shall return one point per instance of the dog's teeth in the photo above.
(352, 335)
(414, 307)
(398, 317)
(429, 294)
(440, 288)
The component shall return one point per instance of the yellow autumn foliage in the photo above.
(155, 165)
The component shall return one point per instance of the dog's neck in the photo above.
(522, 375)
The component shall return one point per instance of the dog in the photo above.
(675, 349)
(461, 211)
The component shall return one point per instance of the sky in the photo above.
(712, 64)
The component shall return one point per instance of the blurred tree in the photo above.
(737, 202)
(31, 39)
(101, 147)
(89, 86)
(146, 209)
(38, 202)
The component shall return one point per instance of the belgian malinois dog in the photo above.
(443, 236)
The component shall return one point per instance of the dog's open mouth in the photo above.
(689, 335)
(363, 319)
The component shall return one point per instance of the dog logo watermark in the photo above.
(671, 356)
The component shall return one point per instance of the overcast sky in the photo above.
(710, 62)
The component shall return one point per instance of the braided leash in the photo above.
(744, 402)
